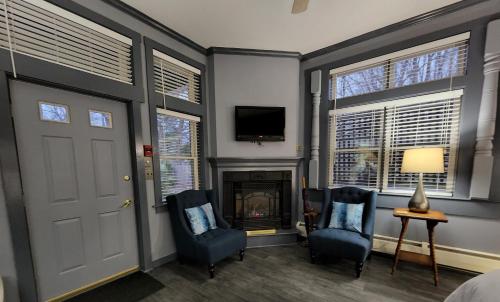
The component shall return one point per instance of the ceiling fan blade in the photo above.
(299, 6)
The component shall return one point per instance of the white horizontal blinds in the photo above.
(46, 31)
(432, 122)
(178, 148)
(434, 64)
(175, 78)
(437, 60)
(356, 145)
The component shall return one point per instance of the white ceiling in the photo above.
(268, 24)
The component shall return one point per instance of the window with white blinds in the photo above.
(437, 60)
(45, 31)
(176, 78)
(356, 148)
(368, 142)
(178, 148)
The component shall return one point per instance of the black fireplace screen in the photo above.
(257, 205)
(257, 201)
(254, 200)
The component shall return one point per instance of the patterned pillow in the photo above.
(207, 208)
(201, 218)
(347, 216)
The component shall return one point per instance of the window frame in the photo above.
(384, 152)
(157, 100)
(194, 145)
(389, 60)
(471, 82)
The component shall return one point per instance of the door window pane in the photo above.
(52, 112)
(100, 119)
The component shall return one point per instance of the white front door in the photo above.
(75, 165)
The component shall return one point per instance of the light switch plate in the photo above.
(148, 168)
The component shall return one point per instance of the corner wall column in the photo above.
(314, 162)
(483, 156)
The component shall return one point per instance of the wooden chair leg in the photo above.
(312, 255)
(211, 270)
(359, 268)
(242, 254)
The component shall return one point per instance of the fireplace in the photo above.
(254, 200)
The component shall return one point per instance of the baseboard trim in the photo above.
(163, 260)
(464, 259)
(91, 286)
(270, 245)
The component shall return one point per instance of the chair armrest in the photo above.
(212, 198)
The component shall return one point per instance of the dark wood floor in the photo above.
(285, 274)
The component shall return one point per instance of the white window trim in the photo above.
(452, 94)
(178, 114)
(194, 145)
(173, 60)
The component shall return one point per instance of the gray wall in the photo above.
(462, 231)
(7, 267)
(254, 81)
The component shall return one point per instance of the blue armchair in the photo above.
(342, 243)
(207, 248)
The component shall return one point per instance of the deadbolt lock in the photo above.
(126, 178)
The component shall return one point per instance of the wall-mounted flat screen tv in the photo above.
(260, 123)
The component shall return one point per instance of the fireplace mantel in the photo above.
(271, 163)
(257, 162)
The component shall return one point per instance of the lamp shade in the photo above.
(423, 160)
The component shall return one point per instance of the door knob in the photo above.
(126, 203)
(126, 178)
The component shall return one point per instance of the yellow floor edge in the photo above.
(86, 288)
(261, 232)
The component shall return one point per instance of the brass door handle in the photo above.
(126, 203)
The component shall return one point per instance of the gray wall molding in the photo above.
(253, 52)
(425, 17)
(155, 24)
(221, 162)
(164, 260)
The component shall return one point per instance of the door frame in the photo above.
(44, 73)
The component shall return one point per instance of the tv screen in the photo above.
(260, 123)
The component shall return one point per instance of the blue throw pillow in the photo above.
(201, 218)
(347, 216)
(209, 212)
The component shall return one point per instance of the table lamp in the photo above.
(422, 160)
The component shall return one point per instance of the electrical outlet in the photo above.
(299, 149)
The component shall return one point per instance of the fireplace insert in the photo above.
(256, 200)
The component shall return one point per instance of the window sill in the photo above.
(160, 207)
(430, 196)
